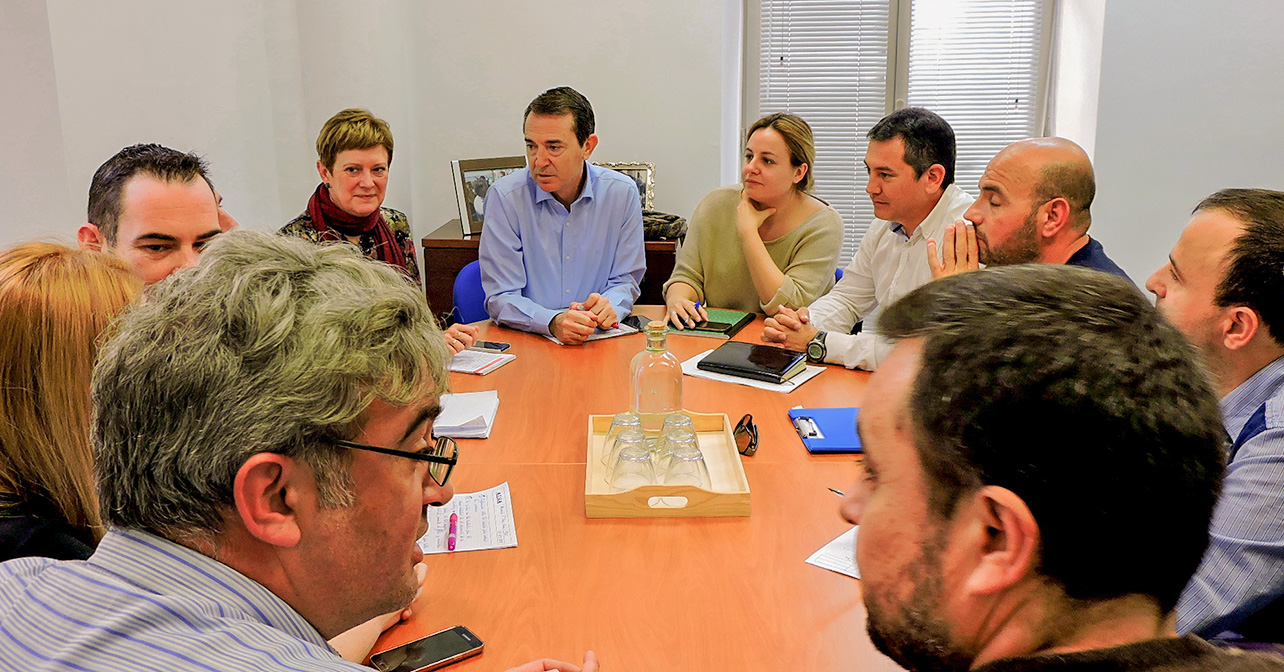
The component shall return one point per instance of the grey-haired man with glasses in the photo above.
(263, 429)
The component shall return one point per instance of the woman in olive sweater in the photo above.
(764, 243)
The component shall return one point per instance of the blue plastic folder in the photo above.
(827, 430)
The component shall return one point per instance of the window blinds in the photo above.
(827, 62)
(978, 64)
(981, 64)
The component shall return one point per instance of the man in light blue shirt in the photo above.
(1224, 289)
(561, 249)
(263, 438)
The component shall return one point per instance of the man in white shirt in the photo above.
(910, 162)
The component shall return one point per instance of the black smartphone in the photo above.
(635, 321)
(712, 326)
(490, 345)
(429, 653)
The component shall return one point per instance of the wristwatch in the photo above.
(816, 348)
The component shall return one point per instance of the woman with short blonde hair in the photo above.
(354, 154)
(55, 305)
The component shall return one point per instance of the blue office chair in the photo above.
(468, 297)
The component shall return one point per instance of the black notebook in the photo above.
(757, 362)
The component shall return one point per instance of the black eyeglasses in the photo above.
(441, 456)
(746, 436)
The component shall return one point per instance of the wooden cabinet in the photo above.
(447, 251)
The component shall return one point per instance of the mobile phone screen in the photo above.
(428, 653)
(491, 345)
(635, 321)
(712, 326)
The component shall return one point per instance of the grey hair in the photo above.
(269, 344)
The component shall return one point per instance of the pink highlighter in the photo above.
(454, 530)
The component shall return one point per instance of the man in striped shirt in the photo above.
(1224, 289)
(263, 427)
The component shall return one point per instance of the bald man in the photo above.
(1033, 208)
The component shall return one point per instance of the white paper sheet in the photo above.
(690, 368)
(467, 415)
(478, 362)
(485, 522)
(622, 330)
(838, 555)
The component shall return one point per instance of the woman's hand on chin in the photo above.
(749, 217)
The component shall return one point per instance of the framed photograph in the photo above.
(643, 174)
(473, 178)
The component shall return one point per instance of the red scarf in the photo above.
(334, 224)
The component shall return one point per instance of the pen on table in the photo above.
(454, 529)
(840, 493)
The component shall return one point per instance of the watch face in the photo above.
(815, 351)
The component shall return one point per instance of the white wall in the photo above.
(248, 83)
(145, 71)
(1076, 71)
(1190, 102)
(35, 196)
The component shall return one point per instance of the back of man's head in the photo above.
(1255, 266)
(1064, 171)
(107, 189)
(928, 139)
(562, 100)
(269, 344)
(1066, 387)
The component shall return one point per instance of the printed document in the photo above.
(479, 362)
(838, 555)
(485, 522)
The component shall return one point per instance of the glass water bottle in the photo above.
(657, 380)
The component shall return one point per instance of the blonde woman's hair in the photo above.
(353, 128)
(798, 140)
(55, 305)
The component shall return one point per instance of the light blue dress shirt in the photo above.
(1243, 569)
(537, 257)
(144, 603)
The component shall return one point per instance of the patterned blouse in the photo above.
(301, 227)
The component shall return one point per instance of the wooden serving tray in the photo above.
(728, 494)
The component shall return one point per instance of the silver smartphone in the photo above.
(429, 653)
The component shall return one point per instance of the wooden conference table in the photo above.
(646, 593)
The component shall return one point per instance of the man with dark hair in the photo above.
(153, 206)
(1042, 457)
(263, 438)
(561, 250)
(910, 163)
(1223, 287)
(1033, 208)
